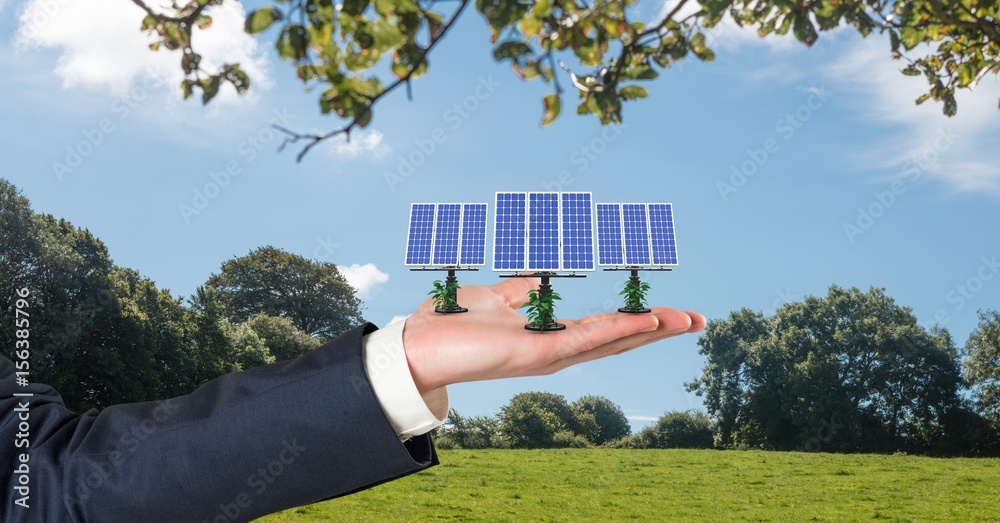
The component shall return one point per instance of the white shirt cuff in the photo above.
(409, 412)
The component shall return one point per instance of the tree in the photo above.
(611, 421)
(283, 340)
(851, 371)
(337, 47)
(313, 295)
(678, 430)
(527, 425)
(982, 364)
(478, 432)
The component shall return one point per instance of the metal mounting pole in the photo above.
(451, 306)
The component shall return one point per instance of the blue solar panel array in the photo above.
(636, 234)
(473, 234)
(577, 231)
(421, 235)
(446, 234)
(609, 234)
(543, 231)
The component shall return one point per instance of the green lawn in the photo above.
(675, 485)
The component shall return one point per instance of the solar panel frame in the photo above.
(447, 225)
(635, 227)
(576, 231)
(420, 241)
(543, 231)
(645, 241)
(510, 232)
(662, 235)
(473, 235)
(610, 236)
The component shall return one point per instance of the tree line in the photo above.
(851, 371)
(102, 334)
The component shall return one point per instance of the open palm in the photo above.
(490, 341)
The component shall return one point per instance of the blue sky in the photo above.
(790, 169)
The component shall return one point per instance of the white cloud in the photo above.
(922, 143)
(398, 317)
(364, 278)
(101, 46)
(362, 142)
(641, 418)
(727, 34)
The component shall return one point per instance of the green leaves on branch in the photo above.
(175, 32)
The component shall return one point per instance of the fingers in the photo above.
(606, 329)
(697, 321)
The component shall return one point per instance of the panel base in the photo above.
(546, 327)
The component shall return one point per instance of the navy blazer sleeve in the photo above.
(241, 446)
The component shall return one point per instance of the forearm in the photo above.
(248, 444)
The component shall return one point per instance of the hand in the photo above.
(490, 341)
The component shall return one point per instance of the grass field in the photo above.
(675, 485)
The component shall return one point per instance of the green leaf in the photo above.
(261, 19)
(553, 104)
(632, 92)
(804, 30)
(187, 86)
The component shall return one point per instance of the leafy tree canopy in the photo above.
(982, 367)
(313, 295)
(598, 48)
(851, 371)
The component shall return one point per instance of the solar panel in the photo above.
(577, 232)
(509, 228)
(446, 226)
(420, 236)
(636, 229)
(473, 234)
(446, 234)
(661, 234)
(609, 234)
(543, 231)
(636, 234)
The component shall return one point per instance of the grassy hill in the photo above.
(675, 485)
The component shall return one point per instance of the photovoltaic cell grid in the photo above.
(446, 234)
(421, 234)
(508, 232)
(543, 232)
(473, 234)
(577, 232)
(661, 234)
(609, 234)
(636, 234)
(636, 228)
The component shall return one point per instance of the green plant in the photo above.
(635, 294)
(445, 295)
(541, 307)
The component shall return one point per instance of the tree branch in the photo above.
(315, 139)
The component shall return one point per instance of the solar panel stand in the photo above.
(454, 307)
(634, 277)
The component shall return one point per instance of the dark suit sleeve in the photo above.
(241, 446)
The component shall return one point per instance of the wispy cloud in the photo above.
(369, 143)
(365, 278)
(920, 142)
(641, 418)
(101, 46)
